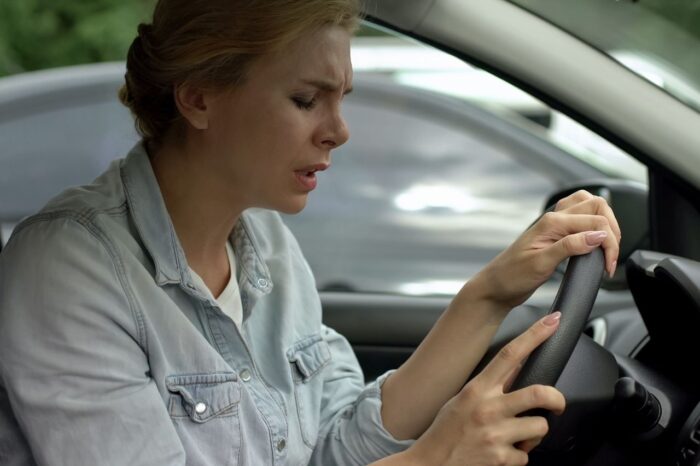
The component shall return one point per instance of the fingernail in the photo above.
(613, 269)
(594, 238)
(552, 318)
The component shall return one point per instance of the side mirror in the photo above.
(629, 201)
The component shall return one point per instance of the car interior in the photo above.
(627, 367)
(632, 397)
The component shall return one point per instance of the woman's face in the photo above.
(269, 137)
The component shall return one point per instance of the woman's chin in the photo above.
(293, 205)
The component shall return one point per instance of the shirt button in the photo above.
(281, 444)
(262, 283)
(200, 408)
(245, 375)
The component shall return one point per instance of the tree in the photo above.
(36, 34)
(684, 13)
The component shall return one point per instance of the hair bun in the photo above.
(145, 33)
(150, 101)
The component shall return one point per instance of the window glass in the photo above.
(414, 64)
(445, 167)
(657, 39)
(414, 204)
(66, 144)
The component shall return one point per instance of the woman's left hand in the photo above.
(579, 223)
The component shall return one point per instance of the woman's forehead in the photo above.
(321, 56)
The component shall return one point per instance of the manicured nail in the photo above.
(613, 269)
(552, 318)
(594, 238)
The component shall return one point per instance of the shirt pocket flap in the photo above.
(309, 355)
(203, 396)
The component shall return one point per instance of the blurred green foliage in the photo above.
(685, 13)
(36, 34)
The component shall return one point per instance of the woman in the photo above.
(173, 318)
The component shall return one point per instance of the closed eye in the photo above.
(304, 104)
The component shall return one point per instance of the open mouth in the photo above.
(307, 179)
(307, 175)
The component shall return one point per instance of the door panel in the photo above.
(384, 330)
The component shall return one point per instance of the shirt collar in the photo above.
(158, 235)
(151, 217)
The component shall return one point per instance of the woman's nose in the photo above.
(337, 133)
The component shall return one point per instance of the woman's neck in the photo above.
(202, 212)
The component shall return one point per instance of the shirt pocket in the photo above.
(204, 410)
(307, 358)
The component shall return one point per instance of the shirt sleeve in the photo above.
(71, 353)
(352, 432)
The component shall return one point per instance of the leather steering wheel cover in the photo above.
(574, 299)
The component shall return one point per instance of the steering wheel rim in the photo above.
(575, 298)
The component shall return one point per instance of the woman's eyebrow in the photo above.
(328, 86)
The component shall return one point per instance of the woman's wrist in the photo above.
(477, 295)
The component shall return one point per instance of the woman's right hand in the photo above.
(480, 425)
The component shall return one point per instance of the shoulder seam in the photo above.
(86, 220)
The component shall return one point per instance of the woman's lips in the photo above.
(307, 180)
(307, 176)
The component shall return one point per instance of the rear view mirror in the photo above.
(629, 200)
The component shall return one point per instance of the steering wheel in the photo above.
(567, 361)
(575, 298)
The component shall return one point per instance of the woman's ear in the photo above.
(192, 104)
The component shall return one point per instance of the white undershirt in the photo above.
(230, 299)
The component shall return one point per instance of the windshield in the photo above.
(657, 39)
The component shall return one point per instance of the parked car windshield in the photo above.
(656, 39)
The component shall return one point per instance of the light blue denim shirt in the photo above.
(110, 355)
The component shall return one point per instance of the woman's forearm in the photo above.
(440, 366)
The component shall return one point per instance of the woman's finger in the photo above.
(532, 397)
(521, 429)
(528, 445)
(572, 199)
(497, 372)
(612, 244)
(596, 206)
(512, 376)
(564, 223)
(506, 455)
(583, 243)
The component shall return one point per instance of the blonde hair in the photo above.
(212, 43)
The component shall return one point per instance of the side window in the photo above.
(58, 140)
(426, 192)
(64, 132)
(445, 167)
